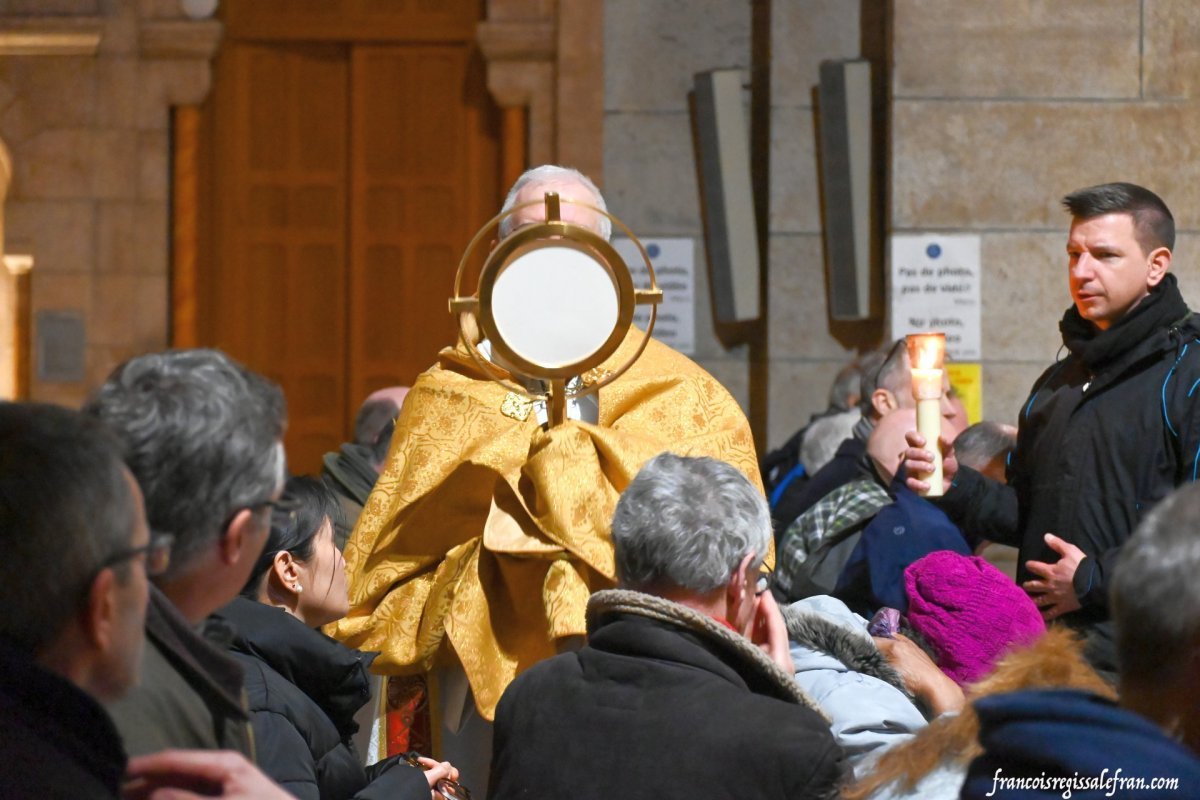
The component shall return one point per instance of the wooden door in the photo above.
(346, 179)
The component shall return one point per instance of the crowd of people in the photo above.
(614, 607)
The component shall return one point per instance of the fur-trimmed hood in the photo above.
(815, 630)
(747, 657)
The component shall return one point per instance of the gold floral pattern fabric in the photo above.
(485, 535)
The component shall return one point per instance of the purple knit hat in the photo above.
(969, 612)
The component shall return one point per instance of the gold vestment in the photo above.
(487, 533)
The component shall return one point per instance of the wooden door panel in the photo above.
(423, 162)
(281, 231)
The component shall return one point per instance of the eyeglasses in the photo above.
(157, 552)
(763, 583)
(900, 343)
(451, 790)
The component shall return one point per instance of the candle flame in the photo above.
(926, 350)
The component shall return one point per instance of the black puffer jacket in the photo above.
(303, 690)
(1105, 434)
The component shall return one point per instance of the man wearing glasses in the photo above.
(202, 436)
(685, 687)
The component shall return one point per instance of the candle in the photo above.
(926, 352)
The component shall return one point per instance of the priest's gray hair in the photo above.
(551, 176)
(687, 523)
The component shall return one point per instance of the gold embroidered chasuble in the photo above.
(487, 534)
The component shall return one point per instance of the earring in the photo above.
(298, 588)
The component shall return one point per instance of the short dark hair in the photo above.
(200, 433)
(982, 442)
(1154, 594)
(66, 505)
(374, 426)
(306, 503)
(1153, 224)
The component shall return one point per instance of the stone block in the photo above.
(61, 235)
(1024, 291)
(120, 30)
(159, 9)
(59, 291)
(1015, 48)
(130, 310)
(652, 50)
(54, 164)
(170, 83)
(1006, 386)
(1185, 263)
(71, 395)
(103, 359)
(1006, 165)
(57, 92)
(132, 237)
(650, 174)
(798, 389)
(1170, 49)
(117, 165)
(803, 34)
(799, 312)
(117, 91)
(795, 195)
(154, 165)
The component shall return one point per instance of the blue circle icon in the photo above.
(653, 251)
(933, 251)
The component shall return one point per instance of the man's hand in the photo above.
(916, 460)
(769, 632)
(922, 677)
(1054, 594)
(187, 774)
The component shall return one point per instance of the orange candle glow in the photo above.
(926, 354)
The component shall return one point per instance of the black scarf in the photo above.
(1160, 309)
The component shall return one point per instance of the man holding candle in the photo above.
(1108, 430)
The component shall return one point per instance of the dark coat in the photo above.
(1062, 733)
(1106, 433)
(847, 464)
(662, 702)
(55, 740)
(350, 474)
(304, 690)
(190, 694)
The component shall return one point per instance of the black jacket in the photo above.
(303, 690)
(1106, 433)
(661, 703)
(55, 740)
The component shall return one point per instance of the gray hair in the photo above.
(982, 442)
(66, 506)
(846, 386)
(1154, 594)
(550, 175)
(687, 523)
(201, 435)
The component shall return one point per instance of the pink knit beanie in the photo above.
(969, 612)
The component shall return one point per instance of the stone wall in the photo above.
(652, 51)
(87, 126)
(1001, 108)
